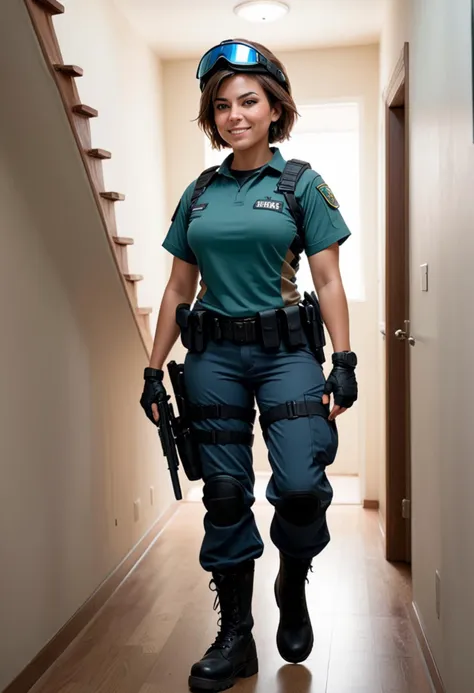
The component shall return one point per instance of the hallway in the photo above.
(161, 620)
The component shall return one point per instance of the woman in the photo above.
(250, 337)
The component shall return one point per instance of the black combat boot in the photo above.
(295, 634)
(233, 654)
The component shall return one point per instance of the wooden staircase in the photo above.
(79, 114)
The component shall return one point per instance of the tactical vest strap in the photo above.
(221, 411)
(292, 410)
(204, 180)
(292, 172)
(223, 437)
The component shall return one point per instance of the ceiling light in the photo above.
(261, 10)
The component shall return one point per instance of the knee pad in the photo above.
(224, 500)
(299, 508)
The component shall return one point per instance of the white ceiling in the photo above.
(187, 28)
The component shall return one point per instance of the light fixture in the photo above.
(261, 10)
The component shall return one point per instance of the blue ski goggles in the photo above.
(241, 57)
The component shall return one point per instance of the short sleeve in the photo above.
(176, 240)
(324, 224)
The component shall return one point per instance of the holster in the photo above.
(314, 326)
(188, 448)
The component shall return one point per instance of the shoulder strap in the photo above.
(292, 172)
(204, 180)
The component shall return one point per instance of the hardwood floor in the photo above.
(160, 620)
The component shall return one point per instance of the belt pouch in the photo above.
(183, 320)
(292, 329)
(199, 335)
(268, 325)
(216, 330)
(311, 328)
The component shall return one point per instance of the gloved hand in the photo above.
(153, 392)
(342, 383)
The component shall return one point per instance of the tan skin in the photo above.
(243, 115)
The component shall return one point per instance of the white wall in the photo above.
(441, 214)
(316, 76)
(75, 447)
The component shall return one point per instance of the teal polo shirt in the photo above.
(240, 235)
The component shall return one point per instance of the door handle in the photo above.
(403, 335)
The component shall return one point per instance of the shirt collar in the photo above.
(277, 162)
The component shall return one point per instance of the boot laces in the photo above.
(302, 569)
(297, 597)
(229, 628)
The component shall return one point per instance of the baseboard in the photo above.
(425, 648)
(371, 504)
(63, 638)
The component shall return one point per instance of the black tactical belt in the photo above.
(239, 331)
(268, 327)
(294, 326)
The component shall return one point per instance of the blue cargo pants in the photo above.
(299, 450)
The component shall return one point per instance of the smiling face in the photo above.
(242, 112)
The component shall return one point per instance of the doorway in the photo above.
(398, 340)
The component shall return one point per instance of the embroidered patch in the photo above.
(272, 205)
(199, 208)
(328, 195)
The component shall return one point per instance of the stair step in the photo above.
(99, 154)
(144, 311)
(123, 240)
(71, 70)
(113, 196)
(52, 6)
(133, 277)
(88, 111)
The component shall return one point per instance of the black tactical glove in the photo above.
(341, 380)
(153, 391)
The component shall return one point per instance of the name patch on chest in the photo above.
(272, 205)
(199, 207)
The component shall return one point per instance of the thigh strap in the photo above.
(223, 437)
(199, 412)
(292, 410)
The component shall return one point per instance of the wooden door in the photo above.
(398, 339)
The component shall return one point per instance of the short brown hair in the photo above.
(275, 92)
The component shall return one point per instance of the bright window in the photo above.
(328, 136)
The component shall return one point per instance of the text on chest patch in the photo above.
(272, 205)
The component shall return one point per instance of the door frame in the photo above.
(397, 357)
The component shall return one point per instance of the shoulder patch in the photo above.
(328, 195)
